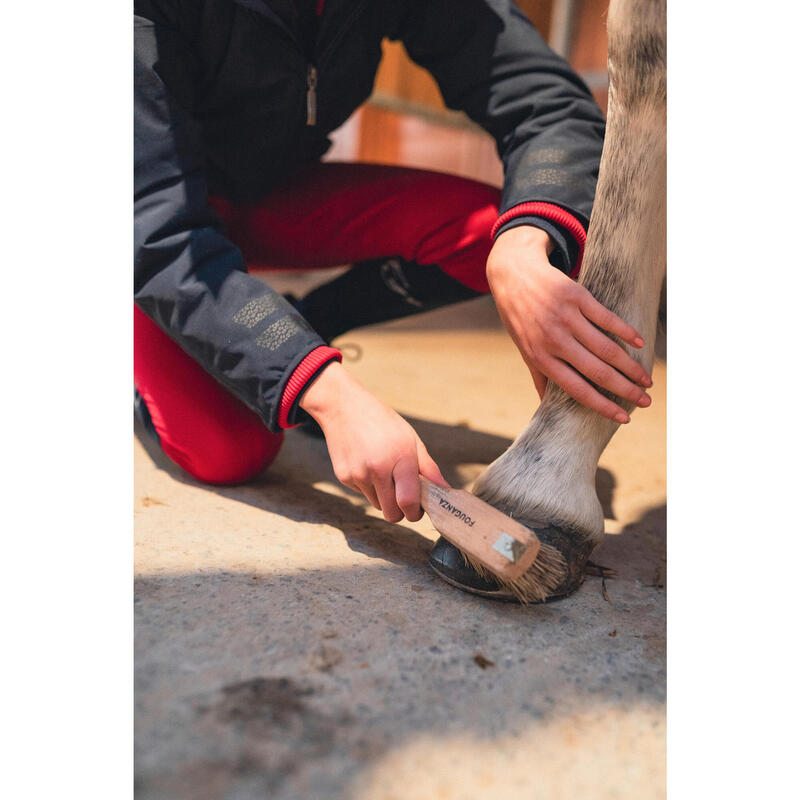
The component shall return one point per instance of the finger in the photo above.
(368, 491)
(539, 381)
(427, 467)
(609, 351)
(603, 375)
(384, 486)
(406, 488)
(609, 321)
(575, 386)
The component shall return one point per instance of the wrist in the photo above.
(524, 248)
(526, 236)
(324, 393)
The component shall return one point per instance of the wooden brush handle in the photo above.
(504, 546)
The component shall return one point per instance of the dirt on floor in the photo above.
(292, 644)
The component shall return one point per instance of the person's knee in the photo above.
(226, 457)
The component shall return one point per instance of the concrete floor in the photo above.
(292, 644)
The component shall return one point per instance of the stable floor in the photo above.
(292, 644)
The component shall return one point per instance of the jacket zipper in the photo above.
(309, 25)
(311, 70)
(311, 95)
(312, 59)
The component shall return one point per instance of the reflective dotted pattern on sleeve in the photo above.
(256, 310)
(273, 336)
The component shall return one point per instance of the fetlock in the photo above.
(571, 522)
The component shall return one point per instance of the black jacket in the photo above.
(221, 107)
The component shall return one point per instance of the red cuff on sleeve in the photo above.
(553, 213)
(303, 372)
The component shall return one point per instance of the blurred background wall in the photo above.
(405, 121)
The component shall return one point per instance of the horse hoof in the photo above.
(450, 564)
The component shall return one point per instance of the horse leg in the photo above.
(546, 478)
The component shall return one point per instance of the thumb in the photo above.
(428, 468)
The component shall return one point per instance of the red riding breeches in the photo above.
(326, 215)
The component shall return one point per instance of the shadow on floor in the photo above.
(292, 685)
(287, 685)
(286, 488)
(639, 550)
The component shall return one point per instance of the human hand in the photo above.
(372, 448)
(550, 317)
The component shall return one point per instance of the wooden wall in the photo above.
(588, 51)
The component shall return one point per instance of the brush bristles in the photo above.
(537, 583)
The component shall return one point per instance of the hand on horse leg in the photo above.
(555, 324)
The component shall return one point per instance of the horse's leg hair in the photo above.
(548, 473)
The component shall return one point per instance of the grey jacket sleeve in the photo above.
(188, 277)
(491, 63)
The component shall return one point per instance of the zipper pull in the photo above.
(311, 95)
